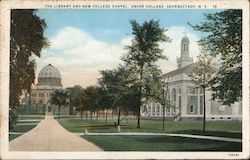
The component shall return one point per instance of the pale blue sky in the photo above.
(84, 41)
(111, 25)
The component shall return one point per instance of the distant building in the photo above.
(49, 79)
(187, 98)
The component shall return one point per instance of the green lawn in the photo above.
(160, 143)
(214, 128)
(25, 127)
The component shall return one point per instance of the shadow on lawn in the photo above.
(211, 133)
(191, 144)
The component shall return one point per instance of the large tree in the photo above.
(26, 39)
(74, 97)
(88, 100)
(103, 100)
(60, 98)
(201, 75)
(115, 83)
(223, 40)
(143, 54)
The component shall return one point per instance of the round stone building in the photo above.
(49, 79)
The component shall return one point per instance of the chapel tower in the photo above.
(185, 58)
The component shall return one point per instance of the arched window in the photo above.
(158, 110)
(174, 95)
(41, 102)
(184, 47)
(153, 110)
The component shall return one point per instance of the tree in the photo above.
(224, 40)
(60, 98)
(26, 39)
(201, 75)
(74, 97)
(143, 54)
(114, 82)
(163, 97)
(104, 100)
(88, 100)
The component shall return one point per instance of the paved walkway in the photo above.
(49, 135)
(225, 139)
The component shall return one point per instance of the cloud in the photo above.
(79, 56)
(127, 41)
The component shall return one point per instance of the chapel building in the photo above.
(186, 97)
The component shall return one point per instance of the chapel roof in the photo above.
(181, 70)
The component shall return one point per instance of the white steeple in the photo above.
(185, 59)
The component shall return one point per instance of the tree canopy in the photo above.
(74, 97)
(142, 56)
(60, 98)
(26, 39)
(224, 41)
(116, 84)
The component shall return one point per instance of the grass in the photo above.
(160, 143)
(214, 128)
(24, 128)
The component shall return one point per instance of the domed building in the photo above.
(49, 79)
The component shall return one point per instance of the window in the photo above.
(174, 95)
(148, 110)
(192, 103)
(40, 102)
(180, 102)
(222, 108)
(192, 90)
(158, 110)
(184, 47)
(201, 104)
(179, 91)
(201, 90)
(153, 110)
(191, 109)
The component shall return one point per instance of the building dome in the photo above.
(50, 71)
(49, 78)
(185, 39)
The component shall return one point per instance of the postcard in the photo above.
(132, 79)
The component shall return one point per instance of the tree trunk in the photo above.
(103, 113)
(106, 117)
(81, 113)
(119, 114)
(204, 110)
(59, 110)
(86, 114)
(112, 113)
(97, 114)
(91, 115)
(140, 97)
(163, 119)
